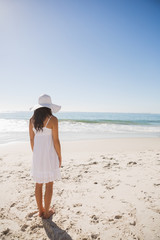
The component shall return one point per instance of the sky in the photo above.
(88, 55)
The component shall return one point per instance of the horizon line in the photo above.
(69, 111)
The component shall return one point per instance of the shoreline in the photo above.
(113, 144)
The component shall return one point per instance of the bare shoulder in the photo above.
(31, 120)
(54, 120)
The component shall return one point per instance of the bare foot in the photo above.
(41, 213)
(49, 214)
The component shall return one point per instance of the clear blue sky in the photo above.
(89, 55)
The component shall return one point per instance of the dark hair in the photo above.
(39, 116)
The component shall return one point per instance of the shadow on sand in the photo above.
(53, 231)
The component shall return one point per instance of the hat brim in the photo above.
(55, 108)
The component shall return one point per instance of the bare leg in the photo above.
(38, 195)
(47, 200)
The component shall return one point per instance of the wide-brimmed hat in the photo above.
(45, 101)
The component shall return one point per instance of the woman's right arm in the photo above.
(56, 141)
(31, 133)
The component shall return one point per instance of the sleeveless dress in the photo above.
(45, 164)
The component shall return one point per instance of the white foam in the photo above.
(17, 130)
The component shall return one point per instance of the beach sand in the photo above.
(110, 189)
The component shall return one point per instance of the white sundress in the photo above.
(45, 164)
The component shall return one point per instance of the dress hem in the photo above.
(44, 179)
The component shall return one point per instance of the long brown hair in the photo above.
(39, 116)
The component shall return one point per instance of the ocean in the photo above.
(83, 125)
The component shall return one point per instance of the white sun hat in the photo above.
(45, 101)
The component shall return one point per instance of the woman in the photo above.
(45, 144)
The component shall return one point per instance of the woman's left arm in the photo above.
(31, 134)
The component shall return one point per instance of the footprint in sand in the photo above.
(93, 163)
(78, 212)
(2, 215)
(5, 232)
(156, 184)
(36, 226)
(77, 205)
(12, 205)
(30, 215)
(78, 178)
(23, 228)
(108, 165)
(60, 192)
(66, 177)
(110, 185)
(94, 219)
(111, 220)
(95, 182)
(118, 217)
(101, 196)
(22, 177)
(103, 157)
(133, 223)
(95, 236)
(131, 163)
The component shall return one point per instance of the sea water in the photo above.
(83, 125)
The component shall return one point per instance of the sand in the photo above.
(110, 189)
